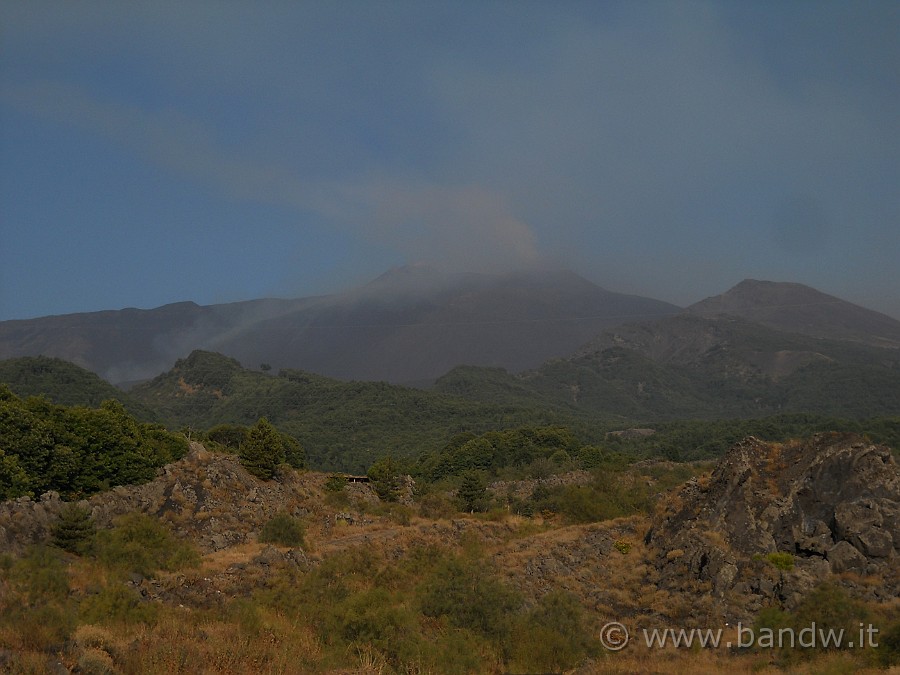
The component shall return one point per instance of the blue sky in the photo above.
(153, 152)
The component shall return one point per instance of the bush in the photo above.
(335, 483)
(283, 530)
(42, 575)
(462, 591)
(782, 561)
(139, 543)
(118, 603)
(34, 592)
(96, 662)
(435, 506)
(889, 645)
(622, 546)
(552, 637)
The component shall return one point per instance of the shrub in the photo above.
(283, 530)
(398, 514)
(552, 637)
(560, 457)
(335, 483)
(373, 617)
(34, 593)
(829, 606)
(462, 591)
(96, 662)
(781, 560)
(889, 645)
(436, 506)
(42, 575)
(622, 546)
(89, 635)
(117, 602)
(139, 543)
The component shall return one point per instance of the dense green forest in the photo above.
(77, 450)
(347, 426)
(342, 426)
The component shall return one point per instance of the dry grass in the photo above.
(246, 636)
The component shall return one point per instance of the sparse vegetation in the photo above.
(141, 544)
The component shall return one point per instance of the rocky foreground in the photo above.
(829, 506)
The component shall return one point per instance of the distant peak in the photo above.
(760, 284)
(405, 272)
(756, 292)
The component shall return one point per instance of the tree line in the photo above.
(77, 451)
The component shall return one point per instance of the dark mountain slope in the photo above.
(800, 309)
(414, 329)
(704, 367)
(410, 325)
(131, 344)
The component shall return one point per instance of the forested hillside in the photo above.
(65, 383)
(341, 425)
(348, 426)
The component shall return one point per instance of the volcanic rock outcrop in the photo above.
(776, 519)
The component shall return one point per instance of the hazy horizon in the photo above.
(153, 153)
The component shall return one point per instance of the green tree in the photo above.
(74, 531)
(385, 477)
(293, 451)
(13, 479)
(263, 451)
(472, 493)
(229, 436)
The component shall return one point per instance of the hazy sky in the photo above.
(152, 152)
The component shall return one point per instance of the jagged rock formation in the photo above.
(831, 502)
(208, 498)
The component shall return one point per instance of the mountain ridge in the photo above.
(798, 308)
(414, 324)
(397, 328)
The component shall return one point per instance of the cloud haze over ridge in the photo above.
(155, 152)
